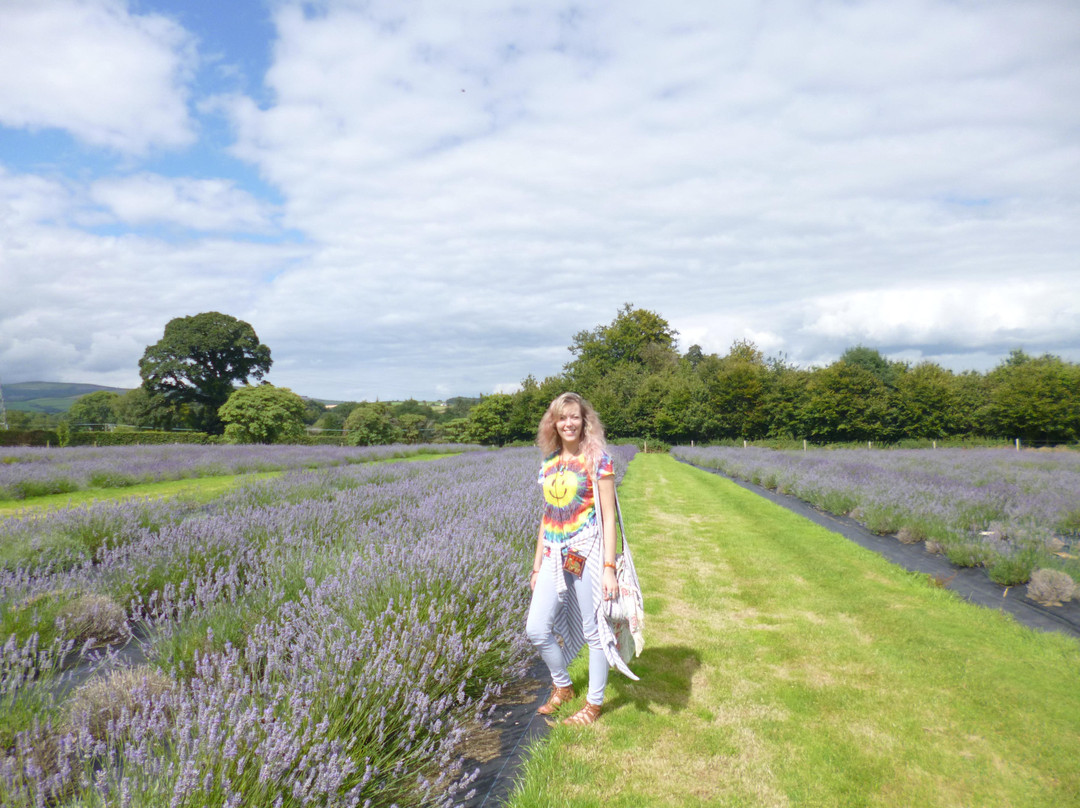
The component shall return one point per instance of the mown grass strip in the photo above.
(199, 488)
(786, 666)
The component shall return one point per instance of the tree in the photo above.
(871, 359)
(527, 410)
(489, 421)
(844, 403)
(198, 361)
(414, 427)
(371, 424)
(95, 409)
(140, 408)
(411, 406)
(313, 411)
(458, 407)
(694, 356)
(927, 405)
(735, 392)
(1033, 399)
(635, 337)
(263, 414)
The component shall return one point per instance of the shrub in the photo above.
(96, 617)
(38, 614)
(969, 555)
(1051, 587)
(67, 615)
(25, 489)
(1012, 570)
(29, 437)
(911, 534)
(123, 690)
(1070, 523)
(881, 520)
(112, 478)
(138, 438)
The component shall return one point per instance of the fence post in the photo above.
(935, 443)
(744, 444)
(1018, 444)
(869, 445)
(804, 444)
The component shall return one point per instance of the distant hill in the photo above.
(49, 397)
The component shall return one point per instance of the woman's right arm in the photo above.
(538, 557)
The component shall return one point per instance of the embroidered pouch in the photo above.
(573, 562)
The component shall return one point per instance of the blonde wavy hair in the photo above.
(593, 444)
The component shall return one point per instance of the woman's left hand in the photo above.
(610, 584)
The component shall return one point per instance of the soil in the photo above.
(517, 725)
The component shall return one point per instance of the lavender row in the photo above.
(349, 626)
(31, 471)
(977, 505)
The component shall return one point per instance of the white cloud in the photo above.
(26, 199)
(109, 77)
(477, 183)
(215, 205)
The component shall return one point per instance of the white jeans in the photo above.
(542, 611)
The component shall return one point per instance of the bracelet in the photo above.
(606, 565)
(536, 572)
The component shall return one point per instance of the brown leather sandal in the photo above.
(585, 716)
(559, 697)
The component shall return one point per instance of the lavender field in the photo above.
(33, 471)
(1013, 512)
(329, 637)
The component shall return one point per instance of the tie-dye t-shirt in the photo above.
(568, 495)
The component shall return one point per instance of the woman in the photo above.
(565, 612)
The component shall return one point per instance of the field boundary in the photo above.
(970, 583)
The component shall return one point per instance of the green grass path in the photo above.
(785, 666)
(202, 488)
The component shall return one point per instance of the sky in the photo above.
(430, 199)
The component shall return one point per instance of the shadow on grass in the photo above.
(667, 674)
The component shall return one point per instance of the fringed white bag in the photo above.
(626, 613)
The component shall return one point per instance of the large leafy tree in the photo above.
(199, 360)
(263, 414)
(844, 403)
(141, 408)
(636, 337)
(372, 424)
(927, 404)
(489, 421)
(1037, 399)
(94, 409)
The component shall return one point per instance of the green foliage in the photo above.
(635, 336)
(489, 421)
(928, 403)
(414, 427)
(141, 408)
(34, 437)
(94, 409)
(1013, 570)
(1034, 399)
(371, 424)
(871, 360)
(458, 407)
(263, 414)
(844, 403)
(197, 362)
(63, 433)
(140, 438)
(641, 387)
